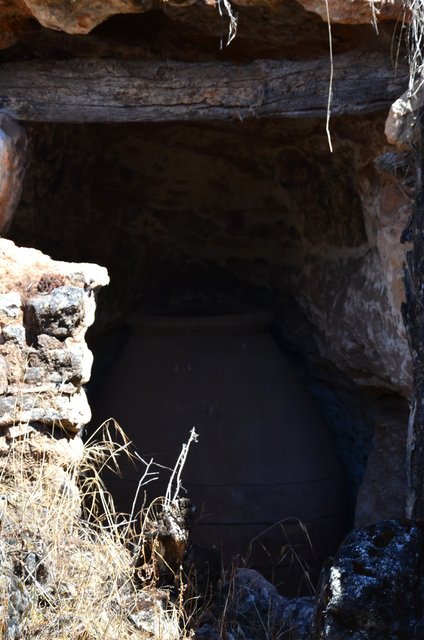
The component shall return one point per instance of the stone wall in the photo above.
(45, 309)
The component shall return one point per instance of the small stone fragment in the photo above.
(10, 306)
(14, 333)
(15, 357)
(49, 342)
(33, 375)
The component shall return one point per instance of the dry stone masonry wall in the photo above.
(45, 310)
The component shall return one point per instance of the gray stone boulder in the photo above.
(374, 587)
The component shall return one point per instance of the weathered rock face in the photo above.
(382, 495)
(373, 588)
(356, 11)
(401, 125)
(82, 16)
(45, 309)
(13, 161)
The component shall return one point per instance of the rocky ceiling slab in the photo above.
(82, 16)
(356, 11)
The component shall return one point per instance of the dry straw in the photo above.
(67, 571)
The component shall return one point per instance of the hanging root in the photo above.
(415, 42)
(224, 7)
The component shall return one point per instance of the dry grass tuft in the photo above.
(415, 41)
(67, 572)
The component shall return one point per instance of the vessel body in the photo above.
(264, 469)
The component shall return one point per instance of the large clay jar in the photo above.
(264, 474)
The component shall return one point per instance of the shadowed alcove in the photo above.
(212, 188)
(255, 214)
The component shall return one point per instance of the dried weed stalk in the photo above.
(414, 9)
(66, 571)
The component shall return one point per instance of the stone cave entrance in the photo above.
(248, 214)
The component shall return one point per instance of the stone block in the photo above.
(401, 124)
(70, 363)
(59, 314)
(62, 365)
(70, 412)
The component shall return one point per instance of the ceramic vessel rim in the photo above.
(252, 321)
